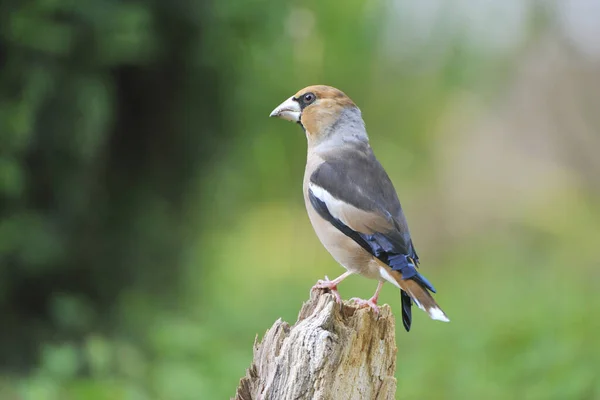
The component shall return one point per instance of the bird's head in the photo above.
(321, 110)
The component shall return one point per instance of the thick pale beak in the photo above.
(289, 109)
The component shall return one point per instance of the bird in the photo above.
(352, 203)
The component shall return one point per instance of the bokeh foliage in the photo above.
(151, 222)
(109, 116)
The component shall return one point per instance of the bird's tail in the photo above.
(414, 289)
(422, 298)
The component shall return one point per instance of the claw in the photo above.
(332, 285)
(372, 303)
(329, 285)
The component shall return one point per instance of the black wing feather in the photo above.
(406, 310)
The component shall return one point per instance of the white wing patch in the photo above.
(333, 205)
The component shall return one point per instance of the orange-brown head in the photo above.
(317, 108)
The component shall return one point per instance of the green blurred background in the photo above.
(151, 215)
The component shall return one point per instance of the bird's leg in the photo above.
(372, 302)
(332, 285)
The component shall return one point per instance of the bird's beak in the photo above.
(289, 109)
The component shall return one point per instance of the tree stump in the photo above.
(331, 352)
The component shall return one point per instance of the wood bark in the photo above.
(333, 352)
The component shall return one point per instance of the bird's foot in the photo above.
(372, 302)
(329, 285)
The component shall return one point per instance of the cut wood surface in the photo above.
(331, 352)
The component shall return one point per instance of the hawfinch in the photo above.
(351, 202)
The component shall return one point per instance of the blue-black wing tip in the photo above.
(408, 269)
(421, 280)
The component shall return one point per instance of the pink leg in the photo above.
(332, 285)
(372, 302)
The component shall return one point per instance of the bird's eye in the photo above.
(309, 98)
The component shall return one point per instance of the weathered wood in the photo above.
(331, 352)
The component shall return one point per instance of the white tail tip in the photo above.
(437, 314)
